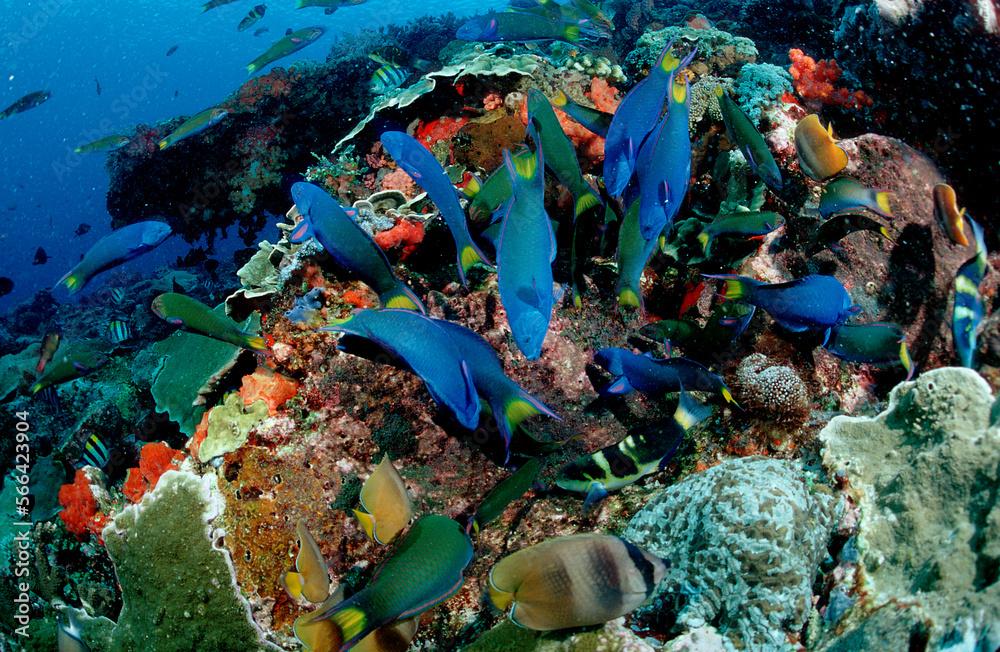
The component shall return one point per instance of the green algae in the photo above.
(395, 437)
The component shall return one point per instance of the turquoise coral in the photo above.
(717, 50)
(759, 86)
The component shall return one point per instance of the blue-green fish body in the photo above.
(182, 310)
(525, 253)
(212, 4)
(969, 307)
(521, 26)
(631, 459)
(286, 45)
(844, 194)
(509, 403)
(114, 249)
(349, 245)
(745, 136)
(29, 101)
(102, 144)
(814, 302)
(329, 6)
(252, 18)
(426, 349)
(419, 163)
(840, 226)
(664, 162)
(877, 343)
(594, 120)
(426, 569)
(194, 125)
(71, 361)
(633, 253)
(631, 371)
(745, 224)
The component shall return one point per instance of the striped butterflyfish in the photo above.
(388, 76)
(95, 453)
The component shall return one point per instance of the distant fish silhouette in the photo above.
(260, 30)
(29, 101)
(173, 48)
(82, 229)
(40, 257)
(6, 286)
(98, 84)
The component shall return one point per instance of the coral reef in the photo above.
(744, 539)
(924, 473)
(718, 51)
(772, 389)
(228, 426)
(759, 86)
(155, 459)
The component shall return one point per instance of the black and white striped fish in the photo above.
(119, 331)
(388, 77)
(95, 453)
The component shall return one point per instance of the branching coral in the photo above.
(814, 82)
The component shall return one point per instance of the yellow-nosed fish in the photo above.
(593, 119)
(114, 249)
(385, 504)
(310, 579)
(181, 310)
(745, 136)
(843, 195)
(574, 581)
(876, 343)
(739, 224)
(29, 101)
(349, 245)
(102, 144)
(286, 45)
(72, 361)
(633, 253)
(418, 162)
(196, 124)
(969, 308)
(952, 217)
(426, 569)
(426, 349)
(631, 459)
(819, 155)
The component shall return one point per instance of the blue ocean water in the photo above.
(70, 47)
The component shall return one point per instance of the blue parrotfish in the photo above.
(631, 459)
(509, 403)
(635, 118)
(595, 120)
(420, 164)
(191, 314)
(876, 343)
(112, 250)
(525, 253)
(748, 140)
(526, 26)
(633, 253)
(969, 307)
(814, 302)
(349, 245)
(426, 569)
(426, 349)
(664, 161)
(642, 372)
(574, 581)
(843, 195)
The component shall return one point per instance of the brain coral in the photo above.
(775, 390)
(744, 540)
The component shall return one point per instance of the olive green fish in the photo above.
(877, 343)
(840, 226)
(844, 194)
(506, 492)
(102, 144)
(741, 224)
(181, 310)
(71, 361)
(426, 569)
(485, 197)
(633, 253)
(196, 124)
(212, 4)
(286, 45)
(745, 136)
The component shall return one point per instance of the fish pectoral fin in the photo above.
(595, 494)
(302, 232)
(618, 387)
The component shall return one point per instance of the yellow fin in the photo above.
(385, 502)
(367, 522)
(526, 166)
(352, 622)
(670, 62)
(293, 583)
(560, 99)
(469, 257)
(679, 92)
(163, 144)
(586, 202)
(719, 92)
(882, 199)
(628, 297)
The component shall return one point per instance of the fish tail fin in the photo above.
(587, 201)
(256, 342)
(336, 624)
(690, 412)
(34, 389)
(468, 256)
(251, 68)
(367, 522)
(163, 144)
(473, 187)
(627, 297)
(522, 406)
(736, 287)
(882, 201)
(706, 242)
(572, 33)
(906, 360)
(719, 91)
(71, 282)
(402, 296)
(300, 4)
(560, 99)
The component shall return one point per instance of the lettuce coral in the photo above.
(229, 426)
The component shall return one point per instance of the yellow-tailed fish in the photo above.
(102, 144)
(310, 579)
(843, 195)
(385, 504)
(286, 45)
(182, 310)
(196, 124)
(574, 581)
(112, 250)
(819, 155)
(71, 362)
(949, 214)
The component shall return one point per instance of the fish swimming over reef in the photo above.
(819, 155)
(251, 18)
(417, 161)
(523, 27)
(386, 507)
(508, 401)
(574, 581)
(814, 302)
(212, 4)
(261, 30)
(172, 49)
(329, 5)
(310, 579)
(48, 348)
(29, 101)
(71, 362)
(655, 376)
(196, 124)
(526, 249)
(593, 119)
(743, 224)
(504, 493)
(112, 250)
(426, 569)
(119, 331)
(427, 351)
(969, 308)
(840, 226)
(633, 458)
(285, 46)
(748, 140)
(193, 315)
(486, 197)
(951, 217)
(349, 245)
(632, 254)
(876, 343)
(102, 144)
(81, 229)
(388, 76)
(843, 195)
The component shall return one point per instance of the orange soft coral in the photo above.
(80, 507)
(155, 459)
(356, 299)
(406, 233)
(814, 82)
(265, 385)
(492, 101)
(603, 95)
(399, 180)
(443, 128)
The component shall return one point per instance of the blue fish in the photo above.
(969, 308)
(814, 302)
(649, 375)
(352, 248)
(525, 253)
(114, 249)
(420, 164)
(426, 349)
(509, 403)
(664, 162)
(635, 118)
